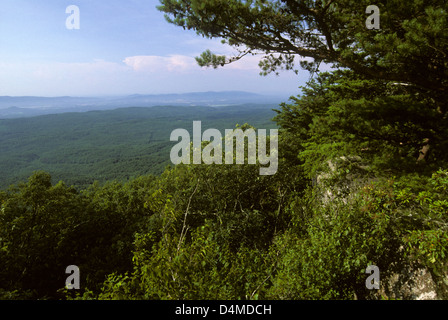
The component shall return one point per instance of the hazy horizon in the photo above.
(146, 94)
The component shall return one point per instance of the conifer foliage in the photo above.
(362, 177)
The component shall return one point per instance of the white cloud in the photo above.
(248, 62)
(172, 63)
(136, 74)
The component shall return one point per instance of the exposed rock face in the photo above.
(410, 283)
(405, 279)
(343, 176)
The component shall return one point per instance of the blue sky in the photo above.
(122, 47)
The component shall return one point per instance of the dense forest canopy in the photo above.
(82, 147)
(408, 53)
(409, 47)
(362, 176)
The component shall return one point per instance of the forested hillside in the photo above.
(84, 147)
(220, 232)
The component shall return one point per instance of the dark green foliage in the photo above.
(361, 180)
(121, 144)
(158, 238)
(226, 232)
(410, 46)
(385, 124)
(46, 228)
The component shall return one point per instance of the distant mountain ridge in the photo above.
(27, 106)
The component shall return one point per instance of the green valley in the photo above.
(80, 148)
